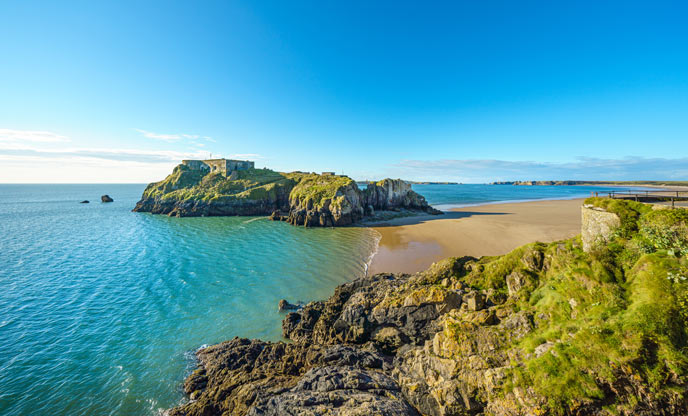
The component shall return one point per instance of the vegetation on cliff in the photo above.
(545, 329)
(306, 198)
(185, 184)
(314, 190)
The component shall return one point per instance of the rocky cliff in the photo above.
(298, 198)
(545, 329)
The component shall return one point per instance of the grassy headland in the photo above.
(545, 329)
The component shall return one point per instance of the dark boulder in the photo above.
(284, 305)
(106, 198)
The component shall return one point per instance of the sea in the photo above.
(102, 308)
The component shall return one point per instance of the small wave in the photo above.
(253, 219)
(377, 237)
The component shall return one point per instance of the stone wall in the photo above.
(196, 164)
(217, 165)
(233, 165)
(223, 166)
(597, 226)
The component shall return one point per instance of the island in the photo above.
(223, 187)
(591, 325)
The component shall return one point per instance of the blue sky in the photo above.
(463, 91)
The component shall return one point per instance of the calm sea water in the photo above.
(447, 196)
(101, 308)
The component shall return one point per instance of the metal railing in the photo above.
(650, 196)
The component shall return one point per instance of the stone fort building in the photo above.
(224, 166)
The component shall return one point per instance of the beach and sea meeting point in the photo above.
(362, 208)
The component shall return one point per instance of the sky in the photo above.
(466, 91)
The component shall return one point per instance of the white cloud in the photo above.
(250, 156)
(18, 136)
(172, 137)
(46, 157)
(134, 155)
(583, 168)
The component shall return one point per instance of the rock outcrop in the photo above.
(285, 305)
(598, 226)
(544, 329)
(297, 198)
(106, 198)
(349, 204)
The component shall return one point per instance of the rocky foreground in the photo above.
(297, 198)
(545, 329)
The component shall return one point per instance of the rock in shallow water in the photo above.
(284, 305)
(106, 198)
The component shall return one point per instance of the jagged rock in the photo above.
(475, 301)
(515, 281)
(283, 305)
(388, 339)
(533, 259)
(597, 227)
(543, 348)
(106, 198)
(261, 378)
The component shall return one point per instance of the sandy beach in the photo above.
(412, 244)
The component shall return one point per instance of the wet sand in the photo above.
(412, 244)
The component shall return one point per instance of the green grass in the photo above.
(616, 315)
(187, 184)
(251, 184)
(317, 189)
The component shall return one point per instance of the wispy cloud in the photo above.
(111, 154)
(36, 136)
(583, 168)
(252, 156)
(173, 137)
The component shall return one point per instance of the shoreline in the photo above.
(412, 244)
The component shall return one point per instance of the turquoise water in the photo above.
(448, 196)
(102, 308)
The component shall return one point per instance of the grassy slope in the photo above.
(319, 188)
(618, 313)
(185, 184)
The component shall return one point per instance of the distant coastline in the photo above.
(593, 183)
(415, 183)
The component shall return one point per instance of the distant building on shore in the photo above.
(328, 173)
(224, 166)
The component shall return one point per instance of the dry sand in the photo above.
(412, 244)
